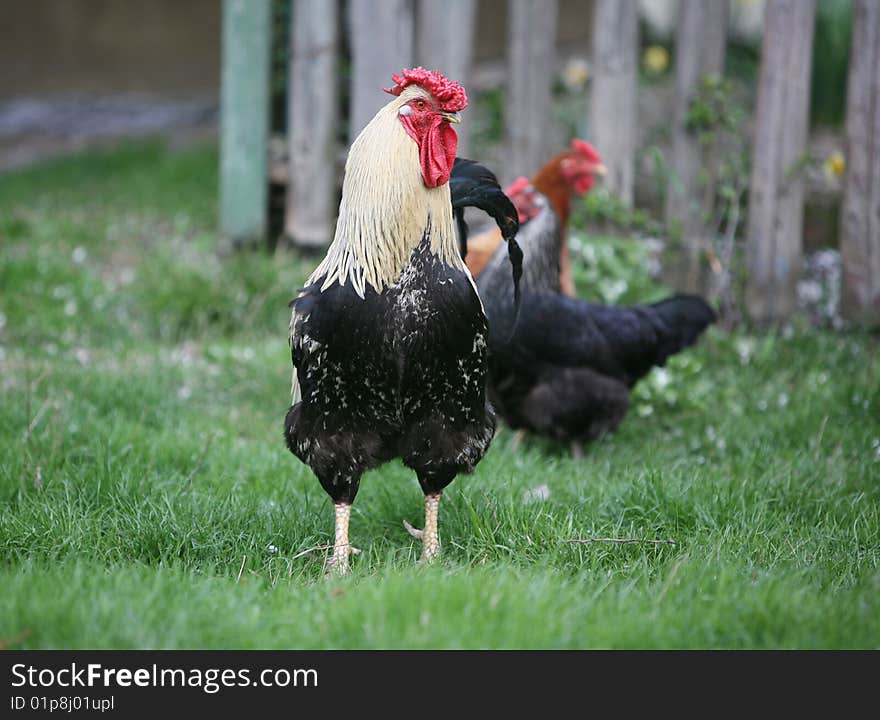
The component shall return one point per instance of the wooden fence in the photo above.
(385, 35)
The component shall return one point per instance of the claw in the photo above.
(415, 532)
(337, 566)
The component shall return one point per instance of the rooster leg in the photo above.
(342, 548)
(431, 533)
(518, 438)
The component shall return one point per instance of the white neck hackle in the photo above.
(386, 207)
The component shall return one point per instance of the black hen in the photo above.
(569, 366)
(564, 367)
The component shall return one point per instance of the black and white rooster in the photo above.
(388, 337)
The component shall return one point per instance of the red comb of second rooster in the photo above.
(585, 149)
(451, 95)
(517, 186)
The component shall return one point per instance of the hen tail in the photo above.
(619, 342)
(685, 317)
(639, 338)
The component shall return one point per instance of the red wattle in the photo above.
(583, 184)
(437, 143)
(437, 153)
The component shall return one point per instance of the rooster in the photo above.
(389, 339)
(560, 366)
(546, 201)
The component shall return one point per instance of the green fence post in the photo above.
(244, 119)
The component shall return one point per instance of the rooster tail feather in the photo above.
(462, 225)
(474, 185)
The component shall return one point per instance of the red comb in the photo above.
(584, 148)
(450, 94)
(517, 186)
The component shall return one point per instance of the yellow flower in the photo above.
(835, 164)
(656, 59)
(576, 74)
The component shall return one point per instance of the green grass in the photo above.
(147, 499)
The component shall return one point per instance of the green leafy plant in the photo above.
(603, 208)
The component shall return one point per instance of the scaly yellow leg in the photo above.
(341, 548)
(431, 536)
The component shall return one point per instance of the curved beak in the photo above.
(451, 117)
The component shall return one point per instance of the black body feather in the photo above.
(401, 373)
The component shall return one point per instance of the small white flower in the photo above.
(126, 277)
(662, 377)
(271, 548)
(613, 289)
(79, 255)
(809, 292)
(70, 308)
(536, 494)
(744, 348)
(782, 400)
(82, 356)
(184, 392)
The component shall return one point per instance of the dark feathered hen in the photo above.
(569, 367)
(388, 339)
(564, 367)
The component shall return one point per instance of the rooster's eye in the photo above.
(421, 104)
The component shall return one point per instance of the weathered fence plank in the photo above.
(445, 41)
(381, 36)
(614, 84)
(244, 120)
(776, 193)
(312, 121)
(700, 43)
(530, 70)
(860, 237)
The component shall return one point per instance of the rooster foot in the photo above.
(338, 562)
(415, 532)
